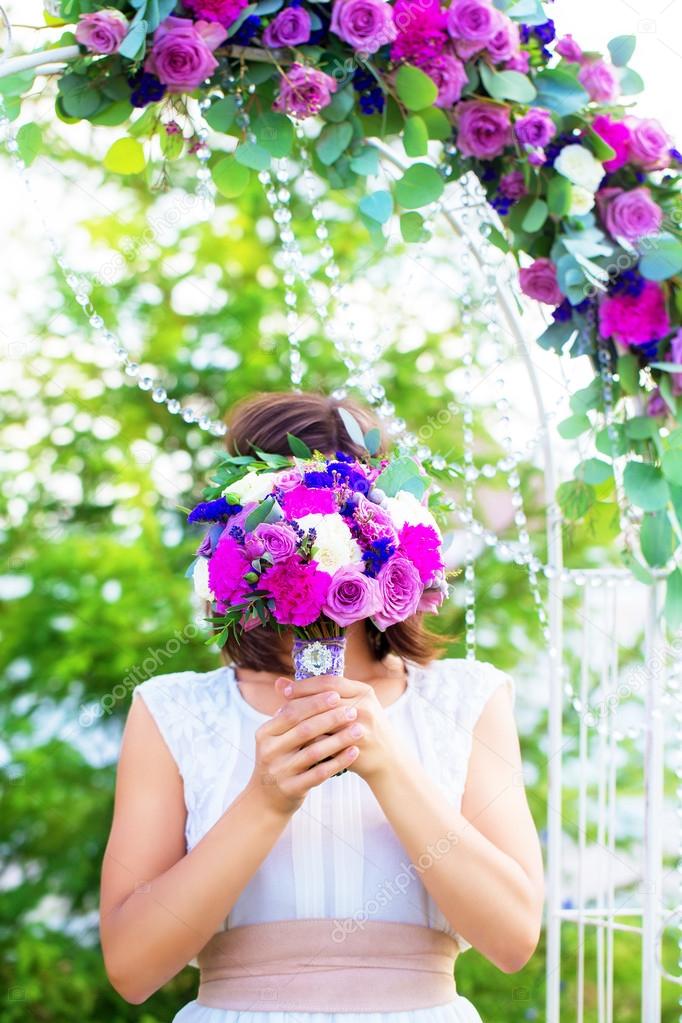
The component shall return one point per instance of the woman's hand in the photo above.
(307, 741)
(377, 741)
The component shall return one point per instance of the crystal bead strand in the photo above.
(469, 468)
(79, 285)
(205, 190)
(606, 375)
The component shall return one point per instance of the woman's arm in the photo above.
(159, 904)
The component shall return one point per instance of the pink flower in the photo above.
(182, 52)
(278, 540)
(373, 523)
(422, 545)
(102, 31)
(366, 25)
(635, 319)
(569, 49)
(352, 596)
(649, 146)
(599, 78)
(617, 135)
(512, 185)
(304, 91)
(537, 158)
(484, 129)
(472, 24)
(519, 62)
(225, 12)
(288, 479)
(303, 500)
(675, 355)
(536, 128)
(539, 281)
(504, 42)
(401, 589)
(450, 76)
(226, 570)
(434, 595)
(290, 27)
(629, 214)
(420, 27)
(298, 590)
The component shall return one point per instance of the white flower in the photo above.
(252, 487)
(404, 508)
(582, 201)
(200, 579)
(334, 544)
(580, 167)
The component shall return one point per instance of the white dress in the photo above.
(338, 857)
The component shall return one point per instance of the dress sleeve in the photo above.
(166, 698)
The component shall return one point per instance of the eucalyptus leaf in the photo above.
(353, 428)
(402, 474)
(673, 600)
(377, 206)
(645, 486)
(415, 89)
(333, 140)
(621, 49)
(420, 184)
(259, 514)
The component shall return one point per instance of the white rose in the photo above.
(405, 508)
(200, 579)
(252, 487)
(334, 544)
(582, 201)
(580, 167)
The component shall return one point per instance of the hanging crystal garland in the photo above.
(205, 190)
(78, 284)
(606, 375)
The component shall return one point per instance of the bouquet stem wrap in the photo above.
(318, 656)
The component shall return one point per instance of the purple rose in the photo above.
(278, 539)
(519, 62)
(504, 42)
(539, 281)
(569, 49)
(649, 145)
(103, 31)
(365, 25)
(512, 185)
(182, 52)
(351, 596)
(599, 78)
(536, 128)
(401, 589)
(303, 91)
(290, 27)
(450, 76)
(472, 24)
(631, 215)
(484, 129)
(225, 12)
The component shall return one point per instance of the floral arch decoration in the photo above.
(586, 195)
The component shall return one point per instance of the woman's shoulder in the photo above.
(461, 684)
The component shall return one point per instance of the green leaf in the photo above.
(661, 258)
(133, 46)
(125, 156)
(298, 447)
(498, 239)
(402, 474)
(672, 608)
(420, 184)
(535, 217)
(230, 178)
(415, 136)
(640, 427)
(560, 91)
(79, 96)
(17, 84)
(637, 568)
(559, 193)
(621, 49)
(113, 115)
(341, 105)
(575, 499)
(414, 88)
(631, 84)
(656, 538)
(645, 487)
(573, 427)
(146, 123)
(412, 227)
(259, 514)
(601, 149)
(250, 154)
(671, 464)
(628, 373)
(377, 206)
(30, 140)
(556, 335)
(594, 471)
(507, 84)
(220, 115)
(172, 146)
(275, 133)
(333, 140)
(366, 162)
(437, 123)
(353, 428)
(373, 440)
(604, 443)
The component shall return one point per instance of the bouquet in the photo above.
(313, 544)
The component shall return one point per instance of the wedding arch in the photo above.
(526, 147)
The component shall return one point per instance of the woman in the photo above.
(300, 892)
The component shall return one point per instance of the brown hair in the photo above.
(264, 421)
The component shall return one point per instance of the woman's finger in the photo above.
(319, 684)
(306, 731)
(297, 710)
(301, 784)
(323, 747)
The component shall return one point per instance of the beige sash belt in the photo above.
(327, 966)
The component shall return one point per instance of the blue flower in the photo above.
(213, 511)
(146, 88)
(377, 554)
(246, 31)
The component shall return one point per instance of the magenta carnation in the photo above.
(304, 91)
(649, 145)
(291, 27)
(278, 540)
(635, 319)
(599, 78)
(536, 128)
(617, 135)
(484, 129)
(450, 76)
(303, 500)
(298, 590)
(569, 49)
(351, 596)
(401, 589)
(422, 545)
(420, 28)
(539, 281)
(102, 31)
(225, 12)
(182, 52)
(366, 25)
(226, 570)
(629, 214)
